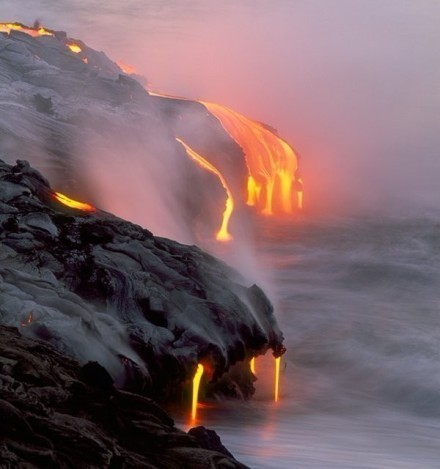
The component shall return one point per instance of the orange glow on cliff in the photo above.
(128, 69)
(271, 162)
(73, 203)
(196, 386)
(223, 233)
(34, 32)
(277, 378)
(300, 199)
(75, 48)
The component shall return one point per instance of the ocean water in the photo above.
(360, 385)
(354, 86)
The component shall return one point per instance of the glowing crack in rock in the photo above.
(252, 365)
(223, 233)
(271, 161)
(196, 386)
(74, 203)
(27, 321)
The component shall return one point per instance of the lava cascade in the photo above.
(271, 162)
(273, 183)
(196, 386)
(223, 233)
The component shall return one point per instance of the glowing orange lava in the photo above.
(252, 365)
(271, 162)
(195, 396)
(223, 233)
(73, 203)
(34, 32)
(277, 378)
(74, 47)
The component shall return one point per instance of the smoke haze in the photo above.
(352, 85)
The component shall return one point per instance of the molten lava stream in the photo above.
(277, 378)
(195, 396)
(73, 203)
(271, 162)
(223, 233)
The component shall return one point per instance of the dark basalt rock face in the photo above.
(137, 311)
(102, 289)
(55, 414)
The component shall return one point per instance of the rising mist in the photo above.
(352, 85)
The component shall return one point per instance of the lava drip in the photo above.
(277, 378)
(271, 162)
(223, 233)
(196, 386)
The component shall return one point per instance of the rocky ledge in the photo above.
(56, 414)
(146, 308)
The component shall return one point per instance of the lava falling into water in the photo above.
(271, 162)
(223, 233)
(277, 378)
(73, 203)
(195, 396)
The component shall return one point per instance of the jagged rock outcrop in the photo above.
(100, 288)
(56, 414)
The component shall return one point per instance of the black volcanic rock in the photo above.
(101, 289)
(51, 417)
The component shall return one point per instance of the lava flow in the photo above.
(34, 32)
(75, 48)
(195, 396)
(271, 162)
(223, 233)
(74, 203)
(252, 365)
(277, 378)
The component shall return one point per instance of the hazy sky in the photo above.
(354, 85)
